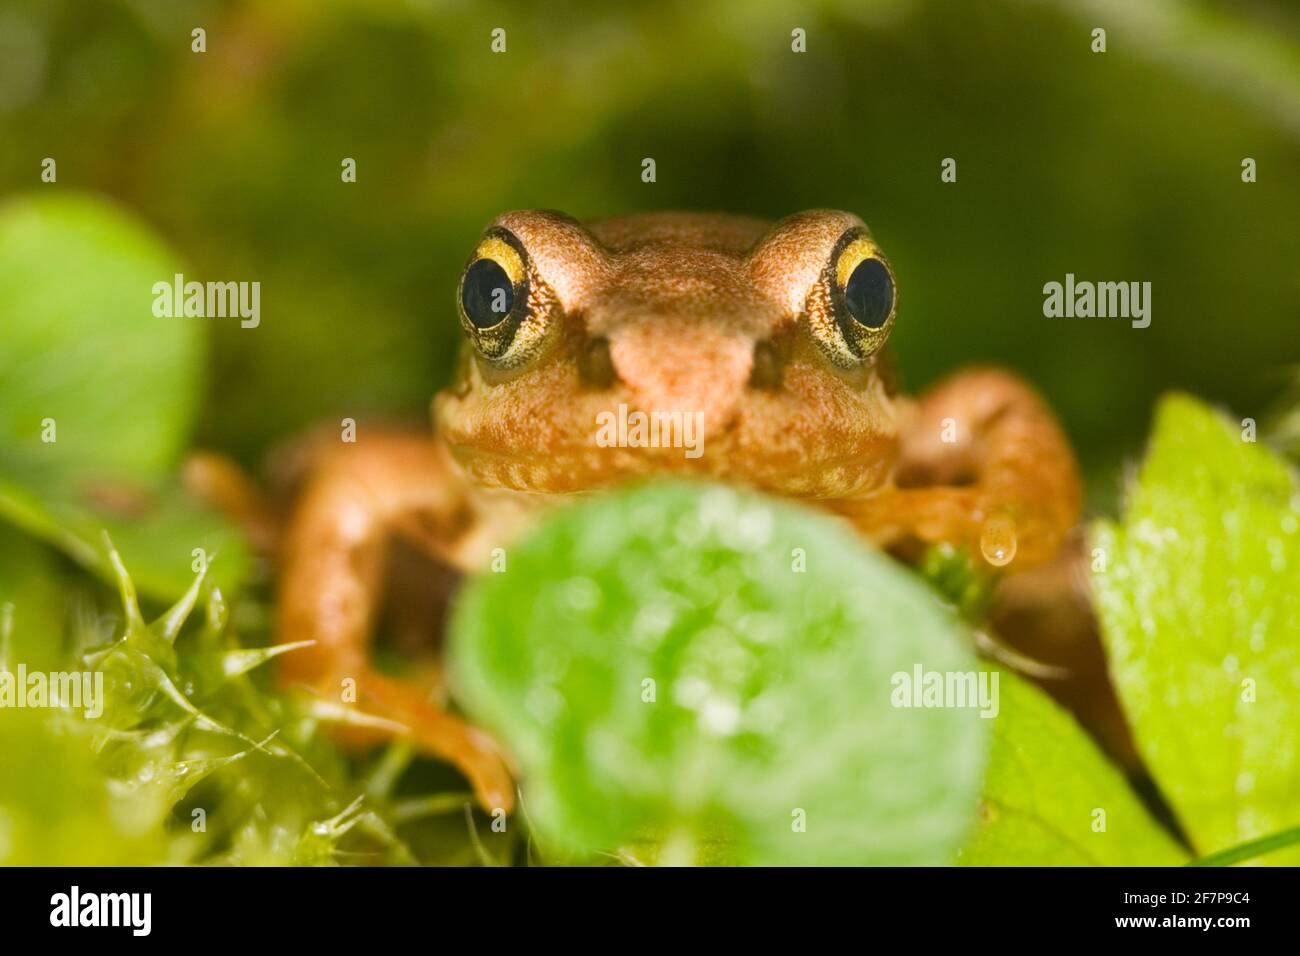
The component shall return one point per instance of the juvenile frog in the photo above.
(770, 336)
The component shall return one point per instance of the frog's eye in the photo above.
(486, 293)
(869, 294)
(858, 299)
(498, 292)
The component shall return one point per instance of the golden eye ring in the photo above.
(493, 299)
(851, 308)
(863, 294)
(491, 283)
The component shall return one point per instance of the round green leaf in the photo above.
(716, 668)
(82, 348)
(97, 394)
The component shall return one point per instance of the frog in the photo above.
(773, 335)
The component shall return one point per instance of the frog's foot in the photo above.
(433, 730)
(983, 465)
(901, 518)
(906, 520)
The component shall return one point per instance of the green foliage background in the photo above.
(1122, 166)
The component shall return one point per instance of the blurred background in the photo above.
(1117, 166)
(225, 165)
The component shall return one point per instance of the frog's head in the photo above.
(674, 343)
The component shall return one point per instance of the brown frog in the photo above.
(770, 335)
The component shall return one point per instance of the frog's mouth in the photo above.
(627, 446)
(592, 470)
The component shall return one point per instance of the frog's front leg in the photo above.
(982, 464)
(332, 565)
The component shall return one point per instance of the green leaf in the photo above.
(1046, 782)
(32, 589)
(769, 687)
(85, 363)
(81, 345)
(1200, 608)
(155, 525)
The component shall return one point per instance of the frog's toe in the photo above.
(444, 735)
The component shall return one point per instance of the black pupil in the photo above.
(870, 293)
(486, 293)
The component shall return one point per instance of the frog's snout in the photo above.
(674, 366)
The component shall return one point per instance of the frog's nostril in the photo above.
(680, 364)
(766, 371)
(595, 365)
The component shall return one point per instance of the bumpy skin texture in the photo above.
(681, 300)
(728, 317)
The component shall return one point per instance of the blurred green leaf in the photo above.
(81, 345)
(87, 363)
(156, 526)
(771, 688)
(1045, 785)
(1200, 607)
(31, 586)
